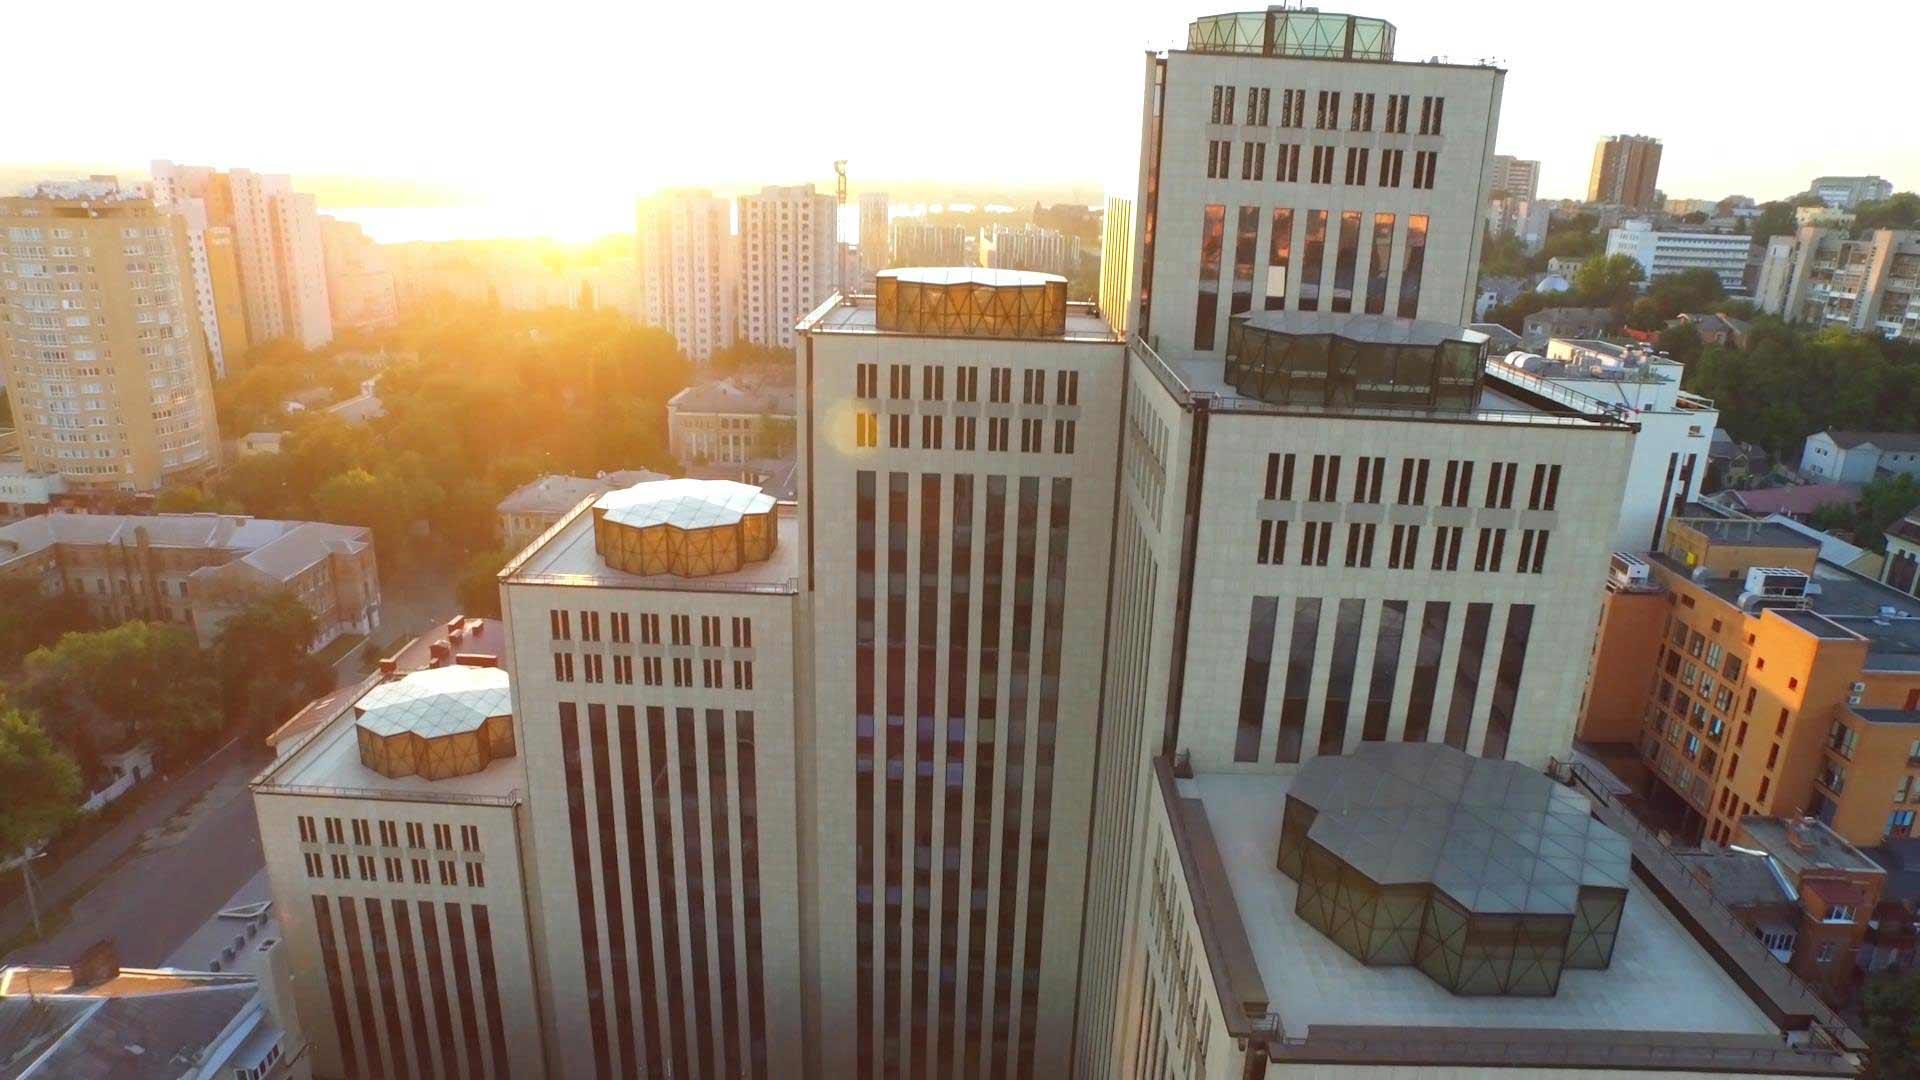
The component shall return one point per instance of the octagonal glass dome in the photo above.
(685, 527)
(436, 723)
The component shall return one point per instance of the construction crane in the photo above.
(840, 181)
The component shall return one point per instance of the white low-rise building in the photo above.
(1666, 251)
(1857, 457)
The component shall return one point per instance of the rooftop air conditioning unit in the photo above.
(1774, 586)
(1628, 572)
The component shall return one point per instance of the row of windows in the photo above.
(1403, 552)
(1390, 630)
(966, 433)
(336, 830)
(1323, 164)
(1279, 250)
(560, 626)
(714, 671)
(933, 382)
(1327, 113)
(342, 868)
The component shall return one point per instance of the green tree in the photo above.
(1606, 281)
(1685, 292)
(478, 590)
(41, 781)
(1681, 341)
(135, 681)
(1890, 1006)
(1503, 256)
(266, 667)
(1901, 211)
(1578, 237)
(30, 618)
(186, 499)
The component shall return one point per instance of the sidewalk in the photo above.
(57, 888)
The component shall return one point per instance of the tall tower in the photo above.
(1290, 164)
(788, 259)
(958, 437)
(688, 272)
(874, 249)
(1626, 169)
(104, 354)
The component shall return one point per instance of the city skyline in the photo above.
(1074, 128)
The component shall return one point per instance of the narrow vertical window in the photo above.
(1346, 648)
(659, 772)
(1412, 263)
(1466, 674)
(1377, 264)
(633, 799)
(1386, 670)
(610, 881)
(864, 632)
(1314, 254)
(953, 781)
(336, 991)
(1345, 259)
(1426, 670)
(1300, 652)
(1254, 676)
(1506, 680)
(582, 886)
(1279, 246)
(694, 869)
(1246, 247)
(1206, 307)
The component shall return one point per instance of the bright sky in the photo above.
(586, 103)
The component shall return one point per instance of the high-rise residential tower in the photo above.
(788, 260)
(1626, 169)
(874, 251)
(104, 354)
(360, 292)
(276, 233)
(1289, 163)
(688, 269)
(958, 438)
(1518, 177)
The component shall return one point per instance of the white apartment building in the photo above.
(1847, 192)
(390, 823)
(1868, 284)
(1027, 247)
(1315, 174)
(688, 270)
(657, 645)
(1638, 386)
(1518, 177)
(194, 211)
(1520, 218)
(874, 234)
(957, 482)
(789, 257)
(1665, 251)
(276, 233)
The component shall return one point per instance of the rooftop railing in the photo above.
(324, 791)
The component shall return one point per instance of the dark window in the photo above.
(336, 992)
(1207, 306)
(953, 786)
(750, 872)
(610, 878)
(1246, 246)
(583, 893)
(1466, 674)
(1254, 675)
(1300, 651)
(1279, 245)
(988, 712)
(632, 802)
(925, 742)
(1345, 259)
(463, 986)
(1386, 669)
(1360, 544)
(490, 987)
(440, 994)
(1314, 253)
(695, 877)
(892, 821)
(1426, 670)
(864, 632)
(1346, 648)
(1412, 263)
(1377, 263)
(363, 990)
(1019, 684)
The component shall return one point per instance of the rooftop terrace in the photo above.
(567, 555)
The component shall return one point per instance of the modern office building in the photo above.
(875, 253)
(1869, 284)
(789, 259)
(276, 234)
(1518, 177)
(1626, 172)
(105, 355)
(1847, 192)
(1674, 251)
(1753, 677)
(1289, 163)
(689, 275)
(360, 292)
(1636, 385)
(198, 570)
(390, 822)
(918, 243)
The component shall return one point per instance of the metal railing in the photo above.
(1714, 916)
(322, 791)
(1624, 1050)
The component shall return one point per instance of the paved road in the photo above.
(157, 876)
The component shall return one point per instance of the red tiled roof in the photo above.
(1799, 499)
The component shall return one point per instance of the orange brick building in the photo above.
(1754, 678)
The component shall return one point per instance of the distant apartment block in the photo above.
(104, 356)
(689, 275)
(875, 252)
(733, 420)
(1869, 284)
(1670, 251)
(277, 241)
(1524, 220)
(1847, 192)
(1027, 247)
(1755, 678)
(198, 570)
(360, 291)
(1626, 172)
(1859, 457)
(216, 285)
(917, 243)
(389, 819)
(788, 260)
(1518, 177)
(535, 506)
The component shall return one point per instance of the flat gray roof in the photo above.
(1660, 978)
(566, 556)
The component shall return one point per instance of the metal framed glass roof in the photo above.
(683, 504)
(436, 701)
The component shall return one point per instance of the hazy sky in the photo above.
(593, 102)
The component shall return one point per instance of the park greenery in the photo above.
(41, 781)
(1890, 1011)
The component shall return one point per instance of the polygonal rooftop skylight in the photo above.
(435, 702)
(683, 504)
